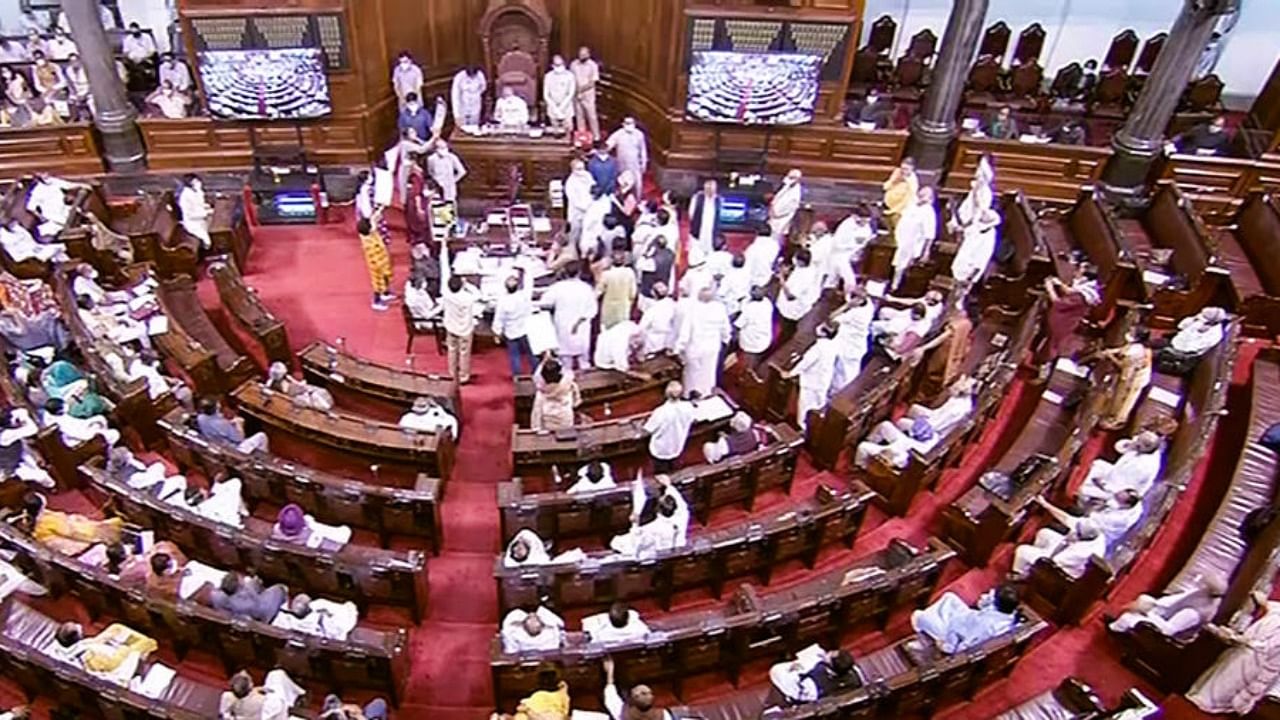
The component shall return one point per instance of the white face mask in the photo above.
(412, 107)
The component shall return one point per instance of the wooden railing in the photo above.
(68, 150)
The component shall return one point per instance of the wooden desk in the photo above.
(229, 230)
(195, 343)
(538, 450)
(601, 387)
(151, 224)
(67, 150)
(244, 306)
(747, 627)
(433, 453)
(331, 498)
(1049, 172)
(561, 515)
(325, 364)
(490, 161)
(796, 532)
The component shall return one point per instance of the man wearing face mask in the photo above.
(168, 101)
(558, 88)
(467, 95)
(414, 115)
(446, 170)
(510, 324)
(195, 210)
(175, 72)
(586, 74)
(1210, 139)
(785, 205)
(511, 112)
(406, 80)
(631, 147)
(140, 52)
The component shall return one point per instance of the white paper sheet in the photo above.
(542, 333)
(712, 409)
(1164, 397)
(157, 325)
(1152, 277)
(384, 186)
(157, 680)
(195, 575)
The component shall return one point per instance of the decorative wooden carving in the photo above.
(995, 41)
(1203, 94)
(1150, 51)
(1120, 54)
(882, 31)
(1030, 44)
(516, 36)
(923, 45)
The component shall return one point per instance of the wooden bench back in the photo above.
(1258, 231)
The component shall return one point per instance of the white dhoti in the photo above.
(700, 372)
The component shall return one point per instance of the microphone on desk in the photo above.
(374, 470)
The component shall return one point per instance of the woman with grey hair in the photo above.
(302, 393)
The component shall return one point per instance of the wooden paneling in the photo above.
(826, 151)
(199, 143)
(1044, 172)
(1217, 185)
(62, 149)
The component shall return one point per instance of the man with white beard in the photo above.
(702, 339)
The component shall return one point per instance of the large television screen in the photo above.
(753, 88)
(285, 84)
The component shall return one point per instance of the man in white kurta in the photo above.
(977, 246)
(620, 625)
(853, 336)
(427, 416)
(668, 427)
(703, 336)
(755, 328)
(511, 112)
(1070, 551)
(324, 618)
(573, 306)
(586, 75)
(785, 205)
(593, 227)
(761, 255)
(523, 631)
(657, 322)
(446, 169)
(733, 285)
(815, 370)
(577, 193)
(631, 148)
(848, 242)
(1136, 469)
(616, 345)
(667, 530)
(1175, 613)
(558, 88)
(592, 477)
(406, 79)
(196, 210)
(914, 233)
(801, 290)
(953, 626)
(467, 96)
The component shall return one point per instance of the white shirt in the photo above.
(511, 112)
(593, 226)
(433, 420)
(760, 256)
(658, 324)
(668, 427)
(515, 639)
(177, 74)
(602, 631)
(460, 310)
(25, 428)
(854, 329)
(138, 48)
(755, 326)
(613, 346)
(327, 619)
(537, 550)
(1194, 337)
(614, 703)
(577, 194)
(805, 284)
(419, 301)
(917, 227)
(511, 315)
(584, 484)
(950, 414)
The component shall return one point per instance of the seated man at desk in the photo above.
(744, 437)
(537, 631)
(19, 244)
(918, 316)
(872, 112)
(17, 459)
(1177, 613)
(215, 427)
(657, 524)
(1070, 551)
(67, 533)
(1136, 469)
(48, 200)
(619, 347)
(527, 549)
(295, 526)
(510, 111)
(247, 598)
(1205, 139)
(113, 654)
(303, 393)
(620, 625)
(1114, 516)
(428, 416)
(1196, 336)
(76, 430)
(920, 430)
(953, 627)
(320, 617)
(595, 475)
(1004, 126)
(814, 674)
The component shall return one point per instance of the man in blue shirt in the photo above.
(604, 169)
(213, 426)
(415, 115)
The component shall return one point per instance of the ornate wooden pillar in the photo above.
(113, 115)
(934, 127)
(1139, 143)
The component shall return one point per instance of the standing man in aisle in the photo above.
(460, 302)
(446, 170)
(587, 74)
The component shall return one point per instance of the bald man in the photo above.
(639, 704)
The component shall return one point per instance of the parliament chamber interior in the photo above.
(639, 360)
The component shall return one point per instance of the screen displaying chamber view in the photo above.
(753, 88)
(285, 84)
